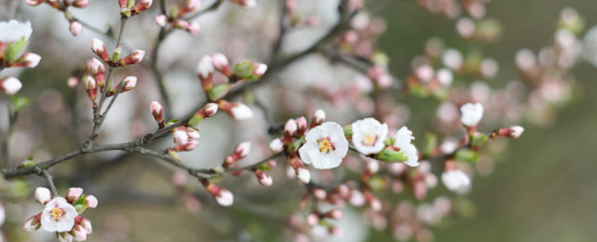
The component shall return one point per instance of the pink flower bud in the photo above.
(301, 124)
(318, 118)
(73, 194)
(180, 24)
(264, 178)
(290, 128)
(122, 3)
(91, 202)
(161, 20)
(313, 219)
(99, 48)
(303, 175)
(157, 112)
(210, 109)
(260, 69)
(31, 60)
(34, 2)
(245, 3)
(189, 146)
(142, 6)
(84, 224)
(276, 145)
(80, 3)
(43, 195)
(72, 82)
(133, 58)
(10, 85)
(191, 5)
(76, 28)
(243, 149)
(96, 66)
(319, 193)
(224, 198)
(193, 134)
(516, 131)
(91, 88)
(130, 83)
(33, 224)
(180, 136)
(205, 68)
(334, 214)
(220, 63)
(79, 234)
(193, 28)
(241, 111)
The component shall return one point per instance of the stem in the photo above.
(282, 29)
(46, 174)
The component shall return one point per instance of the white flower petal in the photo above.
(13, 31)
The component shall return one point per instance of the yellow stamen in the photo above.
(325, 145)
(56, 214)
(370, 138)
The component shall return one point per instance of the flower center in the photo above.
(56, 214)
(370, 139)
(325, 145)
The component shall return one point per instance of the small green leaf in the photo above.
(196, 120)
(20, 103)
(218, 92)
(15, 50)
(347, 131)
(389, 141)
(244, 70)
(479, 139)
(296, 145)
(467, 155)
(392, 156)
(29, 162)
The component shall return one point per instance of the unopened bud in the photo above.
(99, 48)
(133, 58)
(246, 3)
(80, 3)
(243, 149)
(73, 194)
(191, 5)
(193, 134)
(224, 197)
(333, 214)
(303, 175)
(161, 20)
(220, 63)
(10, 85)
(91, 201)
(276, 145)
(210, 109)
(290, 128)
(180, 24)
(264, 178)
(29, 60)
(205, 70)
(193, 28)
(238, 111)
(142, 6)
(76, 28)
(318, 118)
(301, 124)
(91, 88)
(157, 112)
(43, 195)
(180, 136)
(32, 224)
(260, 69)
(313, 219)
(34, 2)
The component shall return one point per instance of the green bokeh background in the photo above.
(543, 186)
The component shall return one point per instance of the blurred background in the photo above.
(540, 190)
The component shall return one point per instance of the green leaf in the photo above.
(15, 50)
(347, 131)
(20, 103)
(430, 143)
(218, 92)
(389, 141)
(392, 156)
(467, 155)
(377, 183)
(479, 139)
(244, 70)
(296, 145)
(29, 162)
(196, 120)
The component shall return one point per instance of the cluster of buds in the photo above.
(207, 67)
(186, 139)
(14, 38)
(221, 195)
(176, 17)
(240, 151)
(61, 215)
(99, 48)
(296, 20)
(128, 8)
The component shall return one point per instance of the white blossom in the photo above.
(402, 141)
(58, 216)
(12, 31)
(368, 135)
(43, 195)
(325, 146)
(456, 181)
(471, 114)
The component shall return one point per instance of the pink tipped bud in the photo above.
(180, 136)
(243, 149)
(313, 219)
(99, 48)
(210, 109)
(91, 88)
(34, 2)
(301, 124)
(516, 131)
(191, 5)
(220, 63)
(96, 66)
(76, 28)
(80, 3)
(260, 69)
(240, 111)
(161, 20)
(72, 82)
(79, 234)
(133, 58)
(333, 214)
(205, 68)
(30, 60)
(193, 134)
(10, 85)
(122, 3)
(91, 202)
(189, 146)
(276, 145)
(85, 224)
(318, 118)
(264, 178)
(290, 128)
(180, 24)
(303, 175)
(193, 28)
(246, 3)
(142, 6)
(73, 194)
(43, 195)
(224, 197)
(158, 112)
(319, 193)
(33, 224)
(130, 83)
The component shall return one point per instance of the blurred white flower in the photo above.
(402, 141)
(456, 181)
(471, 114)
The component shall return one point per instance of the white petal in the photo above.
(13, 31)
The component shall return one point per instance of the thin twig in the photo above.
(46, 174)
